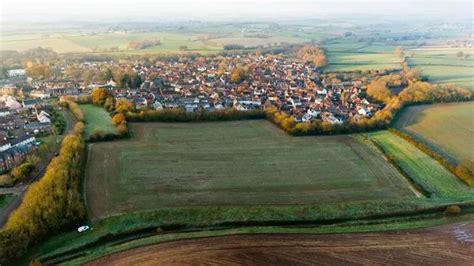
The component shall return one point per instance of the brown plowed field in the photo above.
(444, 245)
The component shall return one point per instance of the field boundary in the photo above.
(113, 240)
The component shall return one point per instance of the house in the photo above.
(37, 127)
(5, 111)
(43, 117)
(40, 94)
(30, 104)
(12, 103)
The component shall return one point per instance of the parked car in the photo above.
(83, 228)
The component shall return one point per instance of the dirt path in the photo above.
(443, 245)
(20, 189)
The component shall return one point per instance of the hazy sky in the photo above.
(14, 11)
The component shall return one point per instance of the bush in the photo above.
(453, 210)
(6, 181)
(22, 171)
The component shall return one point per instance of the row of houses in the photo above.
(283, 83)
(14, 152)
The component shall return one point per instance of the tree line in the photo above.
(52, 204)
(180, 115)
(138, 45)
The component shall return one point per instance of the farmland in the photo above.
(442, 244)
(422, 169)
(233, 163)
(351, 56)
(444, 127)
(96, 118)
(441, 65)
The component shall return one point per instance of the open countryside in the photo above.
(233, 163)
(458, 123)
(242, 132)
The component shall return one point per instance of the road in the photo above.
(442, 245)
(20, 189)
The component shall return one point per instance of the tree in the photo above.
(460, 55)
(378, 90)
(238, 74)
(118, 119)
(99, 96)
(400, 52)
(313, 54)
(123, 106)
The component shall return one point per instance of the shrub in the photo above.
(22, 171)
(453, 210)
(6, 181)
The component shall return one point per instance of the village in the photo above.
(241, 82)
(20, 123)
(210, 84)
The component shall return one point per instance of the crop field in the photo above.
(351, 56)
(233, 164)
(96, 118)
(448, 244)
(421, 168)
(170, 41)
(446, 128)
(441, 65)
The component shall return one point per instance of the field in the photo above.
(233, 163)
(422, 169)
(101, 42)
(449, 244)
(447, 128)
(96, 118)
(351, 56)
(441, 65)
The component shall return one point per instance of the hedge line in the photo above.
(180, 115)
(459, 170)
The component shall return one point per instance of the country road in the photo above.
(20, 189)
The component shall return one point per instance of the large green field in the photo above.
(233, 163)
(202, 42)
(351, 56)
(96, 118)
(441, 65)
(447, 128)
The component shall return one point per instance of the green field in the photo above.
(441, 65)
(351, 56)
(97, 118)
(447, 128)
(195, 41)
(233, 163)
(422, 169)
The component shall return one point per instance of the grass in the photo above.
(96, 118)
(446, 128)
(68, 242)
(156, 239)
(422, 169)
(441, 65)
(233, 163)
(5, 199)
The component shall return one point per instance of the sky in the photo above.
(18, 11)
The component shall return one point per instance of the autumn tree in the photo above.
(400, 52)
(238, 74)
(118, 119)
(313, 54)
(379, 91)
(99, 96)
